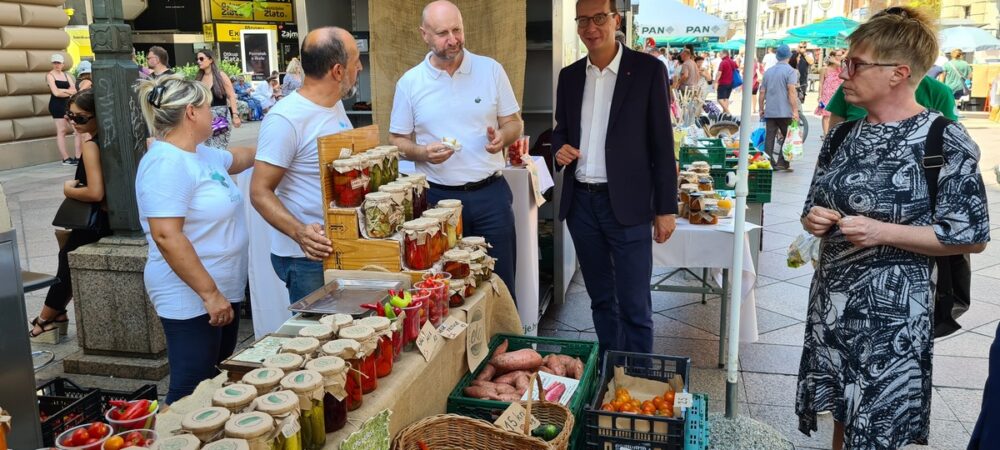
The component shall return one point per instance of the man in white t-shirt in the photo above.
(285, 188)
(769, 60)
(456, 94)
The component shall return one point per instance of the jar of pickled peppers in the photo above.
(392, 157)
(283, 407)
(347, 350)
(334, 371)
(473, 243)
(402, 195)
(456, 262)
(443, 217)
(384, 353)
(379, 170)
(365, 335)
(263, 379)
(382, 215)
(455, 206)
(481, 265)
(308, 387)
(257, 428)
(350, 181)
(420, 237)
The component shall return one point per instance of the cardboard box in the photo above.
(356, 254)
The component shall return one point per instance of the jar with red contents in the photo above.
(457, 293)
(443, 217)
(418, 243)
(335, 399)
(419, 185)
(439, 299)
(455, 206)
(347, 350)
(385, 354)
(365, 336)
(456, 262)
(350, 181)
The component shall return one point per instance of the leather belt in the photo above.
(591, 187)
(473, 186)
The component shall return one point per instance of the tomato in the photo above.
(98, 429)
(669, 398)
(607, 407)
(79, 437)
(622, 391)
(617, 405)
(114, 443)
(623, 398)
(91, 441)
(636, 403)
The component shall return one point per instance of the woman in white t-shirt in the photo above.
(192, 215)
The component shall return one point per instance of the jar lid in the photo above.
(381, 196)
(337, 320)
(393, 187)
(709, 194)
(264, 377)
(358, 332)
(300, 345)
(346, 163)
(287, 362)
(321, 331)
(205, 419)
(340, 346)
(372, 156)
(420, 224)
(697, 194)
(699, 164)
(376, 322)
(473, 241)
(705, 179)
(327, 365)
(237, 394)
(180, 442)
(247, 425)
(388, 148)
(456, 254)
(449, 203)
(278, 402)
(417, 176)
(689, 187)
(379, 151)
(227, 444)
(687, 173)
(302, 381)
(477, 255)
(439, 213)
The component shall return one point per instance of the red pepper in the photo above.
(118, 403)
(136, 410)
(423, 446)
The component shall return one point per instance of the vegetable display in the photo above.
(657, 406)
(89, 436)
(506, 376)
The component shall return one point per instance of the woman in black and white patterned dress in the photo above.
(868, 341)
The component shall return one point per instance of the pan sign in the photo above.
(687, 30)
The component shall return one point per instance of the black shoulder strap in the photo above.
(840, 135)
(933, 157)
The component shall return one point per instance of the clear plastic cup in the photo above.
(65, 435)
(148, 439)
(144, 422)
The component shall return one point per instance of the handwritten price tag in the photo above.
(452, 327)
(683, 400)
(429, 341)
(513, 419)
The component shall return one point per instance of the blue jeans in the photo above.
(302, 276)
(194, 349)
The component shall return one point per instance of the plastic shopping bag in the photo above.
(804, 249)
(792, 149)
(757, 137)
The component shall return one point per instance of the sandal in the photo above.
(62, 324)
(48, 335)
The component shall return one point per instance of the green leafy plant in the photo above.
(190, 70)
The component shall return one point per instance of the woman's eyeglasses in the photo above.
(851, 65)
(79, 119)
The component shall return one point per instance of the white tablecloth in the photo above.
(710, 246)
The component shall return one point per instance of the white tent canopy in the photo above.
(670, 18)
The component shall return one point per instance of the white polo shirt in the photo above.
(433, 105)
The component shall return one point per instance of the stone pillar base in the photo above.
(117, 366)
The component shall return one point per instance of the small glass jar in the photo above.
(207, 424)
(402, 195)
(456, 293)
(350, 182)
(456, 262)
(337, 321)
(322, 332)
(308, 387)
(687, 177)
(347, 350)
(222, 444)
(384, 353)
(446, 229)
(365, 336)
(382, 215)
(378, 170)
(455, 206)
(481, 261)
(439, 307)
(235, 397)
(257, 428)
(419, 186)
(392, 155)
(283, 407)
(418, 242)
(286, 362)
(473, 243)
(304, 346)
(264, 379)
(694, 204)
(334, 372)
(700, 168)
(706, 184)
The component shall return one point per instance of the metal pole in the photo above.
(739, 227)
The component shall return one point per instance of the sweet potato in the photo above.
(496, 387)
(508, 378)
(508, 397)
(479, 392)
(524, 359)
(501, 349)
(556, 366)
(575, 368)
(522, 383)
(487, 373)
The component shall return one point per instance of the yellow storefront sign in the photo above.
(230, 32)
(79, 43)
(272, 12)
(232, 10)
(208, 30)
(259, 11)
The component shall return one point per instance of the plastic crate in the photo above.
(715, 156)
(758, 183)
(67, 405)
(490, 410)
(696, 430)
(623, 432)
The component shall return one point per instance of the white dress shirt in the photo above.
(598, 91)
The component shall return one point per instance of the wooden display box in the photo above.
(342, 223)
(356, 254)
(330, 147)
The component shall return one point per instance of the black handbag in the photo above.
(77, 215)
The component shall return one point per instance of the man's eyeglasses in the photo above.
(851, 65)
(79, 119)
(598, 19)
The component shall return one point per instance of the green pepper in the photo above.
(319, 427)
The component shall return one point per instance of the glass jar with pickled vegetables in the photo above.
(384, 354)
(456, 293)
(182, 442)
(382, 215)
(257, 428)
(480, 265)
(234, 397)
(287, 362)
(283, 406)
(322, 332)
(308, 386)
(350, 182)
(377, 170)
(447, 230)
(222, 444)
(473, 243)
(337, 321)
(207, 424)
(334, 372)
(402, 195)
(264, 379)
(347, 350)
(392, 155)
(455, 206)
(420, 187)
(419, 239)
(365, 335)
(456, 262)
(304, 346)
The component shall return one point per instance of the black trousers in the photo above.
(61, 293)
(776, 129)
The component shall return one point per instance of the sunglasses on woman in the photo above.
(201, 58)
(79, 119)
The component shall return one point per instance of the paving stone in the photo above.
(664, 326)
(981, 261)
(989, 330)
(770, 358)
(940, 407)
(790, 335)
(776, 241)
(764, 281)
(770, 389)
(784, 298)
(793, 228)
(964, 404)
(784, 419)
(984, 288)
(960, 372)
(804, 280)
(944, 435)
(979, 314)
(703, 353)
(775, 265)
(966, 344)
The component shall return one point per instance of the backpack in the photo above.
(952, 292)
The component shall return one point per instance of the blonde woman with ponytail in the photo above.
(192, 215)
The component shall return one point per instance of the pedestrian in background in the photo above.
(958, 76)
(830, 80)
(61, 88)
(724, 79)
(867, 353)
(192, 214)
(804, 63)
(225, 110)
(84, 81)
(293, 77)
(158, 62)
(779, 105)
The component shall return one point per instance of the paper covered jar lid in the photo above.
(300, 345)
(302, 381)
(327, 365)
(287, 362)
(265, 376)
(179, 442)
(236, 394)
(205, 419)
(249, 425)
(228, 444)
(278, 402)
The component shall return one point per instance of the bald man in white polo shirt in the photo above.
(454, 93)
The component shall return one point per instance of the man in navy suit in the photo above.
(615, 149)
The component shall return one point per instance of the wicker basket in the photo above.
(549, 413)
(451, 431)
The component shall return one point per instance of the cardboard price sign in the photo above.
(512, 419)
(476, 345)
(452, 327)
(429, 341)
(683, 400)
(373, 434)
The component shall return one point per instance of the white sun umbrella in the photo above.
(967, 39)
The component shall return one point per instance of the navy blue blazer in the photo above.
(642, 171)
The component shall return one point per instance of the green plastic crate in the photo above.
(758, 183)
(490, 410)
(715, 156)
